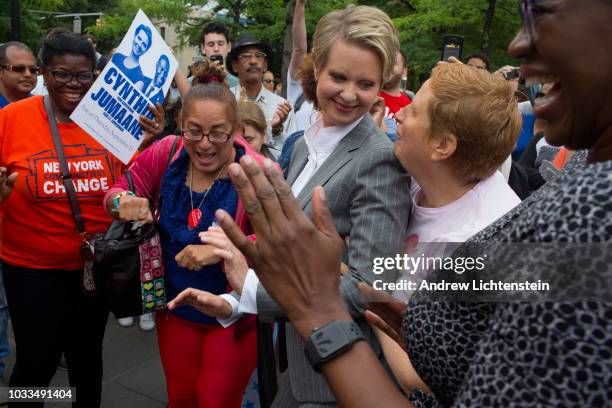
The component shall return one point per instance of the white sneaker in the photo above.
(147, 322)
(125, 321)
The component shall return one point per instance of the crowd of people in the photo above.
(271, 212)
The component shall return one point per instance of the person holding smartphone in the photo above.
(215, 44)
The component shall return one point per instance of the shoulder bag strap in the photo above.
(66, 176)
(157, 205)
(173, 150)
(130, 180)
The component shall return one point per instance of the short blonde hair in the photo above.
(364, 26)
(481, 110)
(250, 114)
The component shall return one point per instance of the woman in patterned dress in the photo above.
(555, 351)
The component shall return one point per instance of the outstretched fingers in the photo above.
(249, 199)
(264, 191)
(288, 203)
(235, 235)
(186, 297)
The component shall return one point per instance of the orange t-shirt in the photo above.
(38, 230)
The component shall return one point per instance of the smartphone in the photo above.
(218, 58)
(512, 74)
(452, 46)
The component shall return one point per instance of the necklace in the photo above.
(195, 215)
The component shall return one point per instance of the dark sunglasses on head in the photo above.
(20, 69)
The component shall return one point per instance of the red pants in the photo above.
(204, 365)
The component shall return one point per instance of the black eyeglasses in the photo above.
(213, 137)
(63, 77)
(20, 69)
(268, 81)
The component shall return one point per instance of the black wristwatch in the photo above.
(330, 341)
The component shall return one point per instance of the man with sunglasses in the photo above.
(18, 71)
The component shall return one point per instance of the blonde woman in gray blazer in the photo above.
(367, 190)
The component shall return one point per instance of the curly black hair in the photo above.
(62, 44)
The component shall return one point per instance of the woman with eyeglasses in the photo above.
(498, 348)
(205, 364)
(268, 80)
(42, 266)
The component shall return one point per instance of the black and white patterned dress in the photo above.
(524, 354)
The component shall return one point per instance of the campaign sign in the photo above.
(138, 75)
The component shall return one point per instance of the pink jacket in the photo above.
(149, 167)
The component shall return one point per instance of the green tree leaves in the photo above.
(421, 23)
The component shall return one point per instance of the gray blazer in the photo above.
(368, 194)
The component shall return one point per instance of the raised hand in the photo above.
(152, 127)
(281, 114)
(297, 260)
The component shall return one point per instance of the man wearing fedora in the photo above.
(248, 60)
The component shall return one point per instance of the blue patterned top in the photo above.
(175, 234)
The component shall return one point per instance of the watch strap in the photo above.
(330, 341)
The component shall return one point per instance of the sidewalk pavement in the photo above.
(133, 374)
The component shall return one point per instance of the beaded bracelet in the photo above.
(117, 197)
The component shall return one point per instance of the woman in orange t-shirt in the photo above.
(42, 266)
